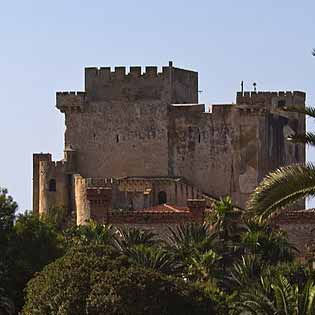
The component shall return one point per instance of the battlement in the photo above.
(70, 101)
(269, 98)
(119, 73)
(172, 84)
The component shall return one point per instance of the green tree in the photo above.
(64, 285)
(127, 238)
(32, 245)
(142, 291)
(226, 223)
(225, 220)
(271, 245)
(194, 247)
(98, 280)
(154, 258)
(8, 207)
(92, 232)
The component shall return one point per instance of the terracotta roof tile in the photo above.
(166, 208)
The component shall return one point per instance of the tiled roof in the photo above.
(165, 208)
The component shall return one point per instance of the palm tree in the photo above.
(155, 258)
(244, 272)
(186, 239)
(204, 266)
(278, 297)
(225, 220)
(226, 223)
(127, 238)
(271, 245)
(194, 246)
(92, 233)
(287, 184)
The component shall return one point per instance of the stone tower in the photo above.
(144, 137)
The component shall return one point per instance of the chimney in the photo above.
(197, 208)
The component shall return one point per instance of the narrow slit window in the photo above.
(117, 138)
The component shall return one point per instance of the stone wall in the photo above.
(230, 150)
(149, 125)
(115, 139)
(172, 85)
(54, 186)
(300, 228)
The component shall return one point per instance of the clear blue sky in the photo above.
(46, 44)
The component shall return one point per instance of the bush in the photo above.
(64, 285)
(31, 245)
(141, 291)
(94, 280)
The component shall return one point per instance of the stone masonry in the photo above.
(142, 139)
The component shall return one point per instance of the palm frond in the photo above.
(129, 237)
(309, 111)
(307, 138)
(281, 188)
(154, 258)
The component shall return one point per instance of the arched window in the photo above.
(162, 197)
(52, 185)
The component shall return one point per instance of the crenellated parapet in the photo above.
(271, 99)
(172, 85)
(71, 101)
(120, 73)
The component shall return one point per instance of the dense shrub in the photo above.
(64, 285)
(141, 291)
(94, 280)
(31, 245)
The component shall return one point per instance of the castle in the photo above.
(140, 139)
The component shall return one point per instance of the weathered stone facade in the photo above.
(143, 138)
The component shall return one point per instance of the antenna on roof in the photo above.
(242, 87)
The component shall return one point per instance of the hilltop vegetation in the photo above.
(229, 265)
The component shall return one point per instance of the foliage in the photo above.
(90, 233)
(281, 188)
(270, 244)
(141, 291)
(226, 224)
(192, 246)
(244, 272)
(154, 258)
(32, 245)
(277, 296)
(95, 280)
(57, 216)
(64, 285)
(8, 207)
(287, 184)
(233, 264)
(225, 220)
(6, 305)
(127, 238)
